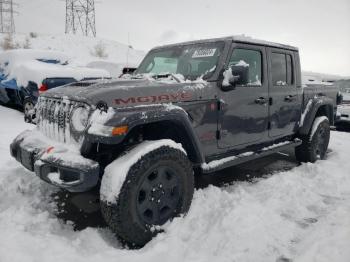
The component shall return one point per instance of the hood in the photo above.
(126, 93)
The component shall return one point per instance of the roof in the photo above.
(238, 39)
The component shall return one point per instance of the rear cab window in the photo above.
(282, 69)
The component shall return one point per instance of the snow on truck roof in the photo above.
(238, 39)
(37, 65)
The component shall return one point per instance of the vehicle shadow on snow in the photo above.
(12, 106)
(251, 170)
(83, 210)
(343, 127)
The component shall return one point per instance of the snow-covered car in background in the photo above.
(343, 112)
(24, 74)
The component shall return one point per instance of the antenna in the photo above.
(127, 53)
(80, 17)
(7, 23)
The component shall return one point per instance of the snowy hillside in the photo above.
(103, 53)
(296, 215)
(324, 77)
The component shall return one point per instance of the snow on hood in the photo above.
(29, 65)
(168, 78)
(132, 92)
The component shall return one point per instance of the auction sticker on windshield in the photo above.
(204, 53)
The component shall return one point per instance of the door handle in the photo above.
(260, 101)
(289, 98)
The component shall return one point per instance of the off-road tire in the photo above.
(27, 104)
(123, 217)
(315, 147)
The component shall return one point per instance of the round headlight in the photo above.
(79, 119)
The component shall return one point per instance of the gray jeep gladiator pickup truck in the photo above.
(189, 109)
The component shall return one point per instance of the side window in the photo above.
(282, 69)
(290, 73)
(279, 69)
(252, 60)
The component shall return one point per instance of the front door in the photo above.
(244, 111)
(285, 106)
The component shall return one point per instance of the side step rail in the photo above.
(226, 162)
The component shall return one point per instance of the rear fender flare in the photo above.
(323, 105)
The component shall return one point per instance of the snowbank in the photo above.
(82, 50)
(313, 80)
(115, 69)
(301, 214)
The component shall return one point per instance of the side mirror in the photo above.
(129, 70)
(235, 75)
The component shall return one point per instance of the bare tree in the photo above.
(27, 44)
(7, 43)
(100, 51)
(33, 35)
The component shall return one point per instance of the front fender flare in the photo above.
(141, 115)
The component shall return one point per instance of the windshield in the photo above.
(192, 61)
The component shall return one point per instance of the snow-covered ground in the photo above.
(298, 215)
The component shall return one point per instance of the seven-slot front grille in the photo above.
(54, 118)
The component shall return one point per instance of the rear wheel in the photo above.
(315, 144)
(158, 187)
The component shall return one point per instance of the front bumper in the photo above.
(56, 164)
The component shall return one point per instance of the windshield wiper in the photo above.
(157, 76)
(166, 75)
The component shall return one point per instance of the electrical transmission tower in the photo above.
(80, 17)
(7, 23)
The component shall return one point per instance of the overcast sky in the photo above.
(320, 28)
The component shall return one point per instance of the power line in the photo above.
(80, 17)
(7, 23)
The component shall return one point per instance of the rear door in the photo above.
(284, 108)
(244, 111)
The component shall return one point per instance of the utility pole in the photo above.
(7, 23)
(80, 17)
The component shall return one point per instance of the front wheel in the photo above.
(315, 144)
(157, 187)
(28, 110)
